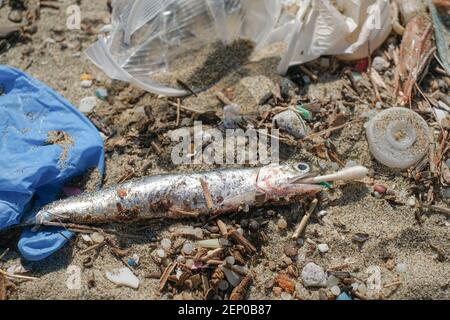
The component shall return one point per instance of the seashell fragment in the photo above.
(398, 137)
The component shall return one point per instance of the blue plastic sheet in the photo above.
(32, 171)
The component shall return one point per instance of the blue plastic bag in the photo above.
(33, 171)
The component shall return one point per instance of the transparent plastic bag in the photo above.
(344, 30)
(148, 35)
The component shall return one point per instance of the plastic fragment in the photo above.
(123, 277)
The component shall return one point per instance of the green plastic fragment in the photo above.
(326, 185)
(306, 114)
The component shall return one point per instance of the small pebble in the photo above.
(286, 296)
(240, 231)
(287, 261)
(269, 284)
(101, 93)
(188, 248)
(230, 260)
(87, 104)
(181, 259)
(86, 238)
(323, 248)
(244, 223)
(254, 225)
(166, 244)
(314, 276)
(401, 268)
(161, 253)
(447, 162)
(380, 189)
(380, 64)
(306, 80)
(224, 285)
(190, 263)
(322, 214)
(336, 290)
(97, 237)
(86, 83)
(166, 262)
(292, 123)
(411, 202)
(291, 249)
(282, 224)
(277, 291)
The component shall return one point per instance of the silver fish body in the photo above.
(183, 195)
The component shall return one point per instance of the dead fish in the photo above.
(184, 195)
(191, 195)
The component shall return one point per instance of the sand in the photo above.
(394, 234)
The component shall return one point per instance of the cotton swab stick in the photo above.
(347, 174)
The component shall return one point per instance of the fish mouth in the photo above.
(303, 179)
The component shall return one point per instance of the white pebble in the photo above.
(401, 268)
(87, 104)
(380, 64)
(181, 259)
(161, 253)
(411, 202)
(286, 296)
(188, 249)
(336, 290)
(86, 83)
(314, 276)
(323, 248)
(97, 237)
(230, 260)
(190, 263)
(166, 244)
(447, 162)
(86, 238)
(322, 213)
(123, 277)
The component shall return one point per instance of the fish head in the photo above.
(286, 180)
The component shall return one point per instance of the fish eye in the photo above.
(302, 167)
